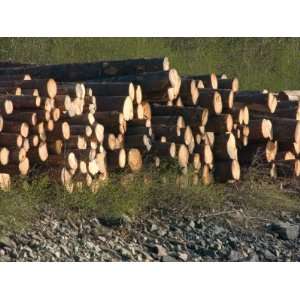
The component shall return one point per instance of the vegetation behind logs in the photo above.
(270, 63)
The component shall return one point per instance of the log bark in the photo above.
(116, 159)
(194, 115)
(23, 102)
(21, 168)
(111, 88)
(225, 147)
(164, 150)
(209, 81)
(168, 121)
(12, 156)
(155, 85)
(16, 127)
(11, 140)
(289, 95)
(139, 130)
(211, 100)
(220, 124)
(286, 130)
(46, 87)
(55, 147)
(11, 91)
(188, 91)
(257, 101)
(93, 70)
(231, 84)
(116, 103)
(29, 92)
(260, 129)
(227, 171)
(141, 142)
(14, 77)
(84, 119)
(73, 89)
(205, 152)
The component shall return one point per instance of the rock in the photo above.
(234, 255)
(7, 242)
(5, 258)
(158, 250)
(162, 232)
(218, 230)
(125, 253)
(101, 238)
(65, 250)
(183, 256)
(192, 224)
(168, 258)
(269, 255)
(286, 231)
(154, 227)
(253, 257)
(2, 252)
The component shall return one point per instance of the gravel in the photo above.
(159, 236)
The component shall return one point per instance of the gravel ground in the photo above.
(159, 236)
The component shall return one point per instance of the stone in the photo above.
(253, 257)
(154, 227)
(234, 255)
(286, 231)
(218, 230)
(168, 258)
(65, 250)
(158, 250)
(192, 224)
(183, 256)
(269, 255)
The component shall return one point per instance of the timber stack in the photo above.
(80, 122)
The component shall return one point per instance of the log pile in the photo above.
(80, 122)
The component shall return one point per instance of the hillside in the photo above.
(259, 63)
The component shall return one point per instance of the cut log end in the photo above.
(166, 64)
(136, 94)
(183, 156)
(134, 159)
(51, 88)
(271, 150)
(217, 103)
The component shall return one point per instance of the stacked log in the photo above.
(80, 122)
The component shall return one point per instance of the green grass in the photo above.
(133, 196)
(271, 63)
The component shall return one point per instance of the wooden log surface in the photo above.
(87, 71)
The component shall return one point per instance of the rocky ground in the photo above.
(159, 236)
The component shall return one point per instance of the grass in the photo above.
(134, 196)
(270, 63)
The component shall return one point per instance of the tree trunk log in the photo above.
(88, 71)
